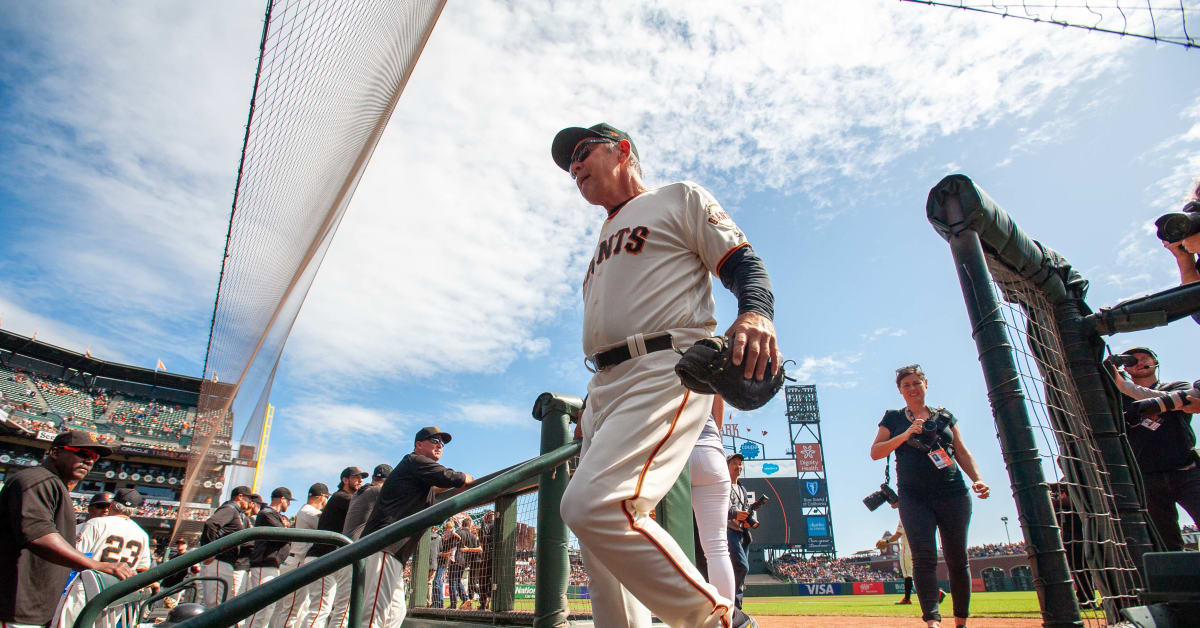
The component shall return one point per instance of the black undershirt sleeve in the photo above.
(746, 277)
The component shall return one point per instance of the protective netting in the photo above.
(1162, 21)
(500, 580)
(329, 76)
(1101, 564)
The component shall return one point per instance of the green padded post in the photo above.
(420, 572)
(674, 514)
(553, 568)
(504, 560)
(1052, 577)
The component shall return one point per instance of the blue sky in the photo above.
(451, 293)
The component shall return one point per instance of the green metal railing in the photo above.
(481, 492)
(128, 590)
(192, 583)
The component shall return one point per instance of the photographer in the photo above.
(736, 532)
(1180, 234)
(1163, 445)
(933, 497)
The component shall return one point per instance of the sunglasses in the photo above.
(86, 454)
(585, 149)
(910, 367)
(435, 440)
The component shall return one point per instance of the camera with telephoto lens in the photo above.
(1121, 360)
(884, 494)
(1154, 406)
(1176, 226)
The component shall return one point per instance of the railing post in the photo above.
(504, 558)
(674, 514)
(420, 572)
(553, 567)
(1052, 577)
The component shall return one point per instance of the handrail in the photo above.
(260, 597)
(179, 587)
(95, 606)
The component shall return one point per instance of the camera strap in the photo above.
(887, 471)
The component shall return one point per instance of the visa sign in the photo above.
(821, 589)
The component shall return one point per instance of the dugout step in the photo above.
(1172, 594)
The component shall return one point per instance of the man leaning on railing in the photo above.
(409, 489)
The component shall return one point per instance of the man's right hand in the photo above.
(742, 515)
(470, 479)
(119, 571)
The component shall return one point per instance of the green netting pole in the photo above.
(674, 514)
(553, 568)
(504, 558)
(1083, 350)
(1048, 558)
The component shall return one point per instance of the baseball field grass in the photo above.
(1019, 604)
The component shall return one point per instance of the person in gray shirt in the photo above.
(364, 502)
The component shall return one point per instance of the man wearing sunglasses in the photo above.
(648, 289)
(37, 525)
(409, 488)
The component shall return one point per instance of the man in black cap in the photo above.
(37, 531)
(1164, 447)
(647, 293)
(409, 488)
(111, 537)
(361, 505)
(735, 533)
(97, 507)
(291, 610)
(230, 517)
(268, 556)
(321, 593)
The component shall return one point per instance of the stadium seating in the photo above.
(17, 387)
(65, 399)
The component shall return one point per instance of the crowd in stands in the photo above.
(996, 549)
(149, 508)
(796, 569)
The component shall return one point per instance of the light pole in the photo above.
(1006, 535)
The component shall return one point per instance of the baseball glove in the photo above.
(707, 367)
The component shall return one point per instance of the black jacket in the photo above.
(269, 553)
(224, 521)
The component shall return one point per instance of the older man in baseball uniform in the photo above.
(648, 289)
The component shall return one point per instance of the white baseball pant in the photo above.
(384, 605)
(225, 571)
(259, 576)
(289, 611)
(639, 428)
(341, 597)
(85, 586)
(320, 599)
(710, 502)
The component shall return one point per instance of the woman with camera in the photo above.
(931, 459)
(1180, 234)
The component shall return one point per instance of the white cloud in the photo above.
(318, 418)
(463, 238)
(881, 332)
(832, 371)
(485, 414)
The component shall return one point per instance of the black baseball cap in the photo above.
(566, 140)
(282, 492)
(427, 433)
(101, 499)
(256, 498)
(128, 497)
(730, 457)
(81, 439)
(353, 471)
(318, 489)
(382, 471)
(241, 490)
(1146, 350)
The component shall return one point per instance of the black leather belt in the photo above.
(617, 355)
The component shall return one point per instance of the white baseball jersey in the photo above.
(110, 539)
(306, 519)
(651, 269)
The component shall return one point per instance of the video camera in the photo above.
(1176, 226)
(1121, 360)
(1155, 406)
(884, 494)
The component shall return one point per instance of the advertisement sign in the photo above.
(768, 468)
(45, 435)
(868, 588)
(778, 519)
(808, 458)
(822, 588)
(817, 525)
(813, 494)
(749, 450)
(525, 591)
(819, 544)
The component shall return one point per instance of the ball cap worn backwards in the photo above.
(565, 141)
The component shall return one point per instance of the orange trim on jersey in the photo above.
(292, 606)
(637, 493)
(250, 624)
(725, 257)
(378, 582)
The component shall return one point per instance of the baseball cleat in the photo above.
(741, 620)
